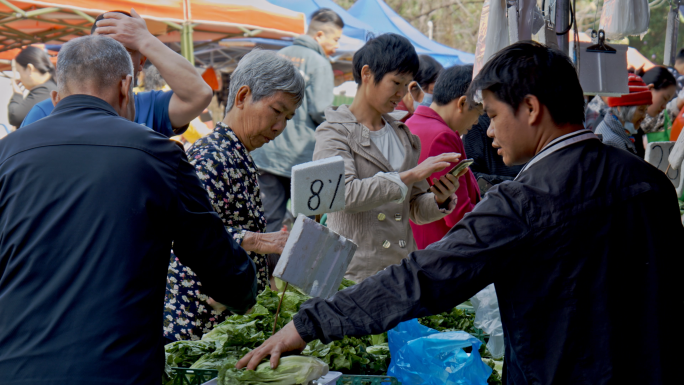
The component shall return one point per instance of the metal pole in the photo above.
(562, 23)
(671, 34)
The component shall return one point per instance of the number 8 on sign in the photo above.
(318, 187)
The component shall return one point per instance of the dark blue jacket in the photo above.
(584, 249)
(90, 205)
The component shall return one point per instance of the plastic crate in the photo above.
(367, 380)
(185, 376)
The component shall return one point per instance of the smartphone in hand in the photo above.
(461, 167)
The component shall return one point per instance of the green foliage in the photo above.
(653, 44)
(456, 319)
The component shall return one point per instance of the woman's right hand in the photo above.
(265, 243)
(429, 166)
(16, 79)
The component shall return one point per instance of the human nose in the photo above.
(490, 130)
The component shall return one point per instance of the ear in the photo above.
(30, 67)
(54, 95)
(143, 59)
(531, 108)
(462, 104)
(651, 87)
(124, 94)
(241, 97)
(366, 74)
(319, 35)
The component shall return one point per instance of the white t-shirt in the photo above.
(389, 145)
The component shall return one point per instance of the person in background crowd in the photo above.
(663, 88)
(165, 112)
(678, 70)
(265, 91)
(439, 128)
(32, 67)
(152, 80)
(422, 86)
(625, 114)
(567, 306)
(86, 242)
(489, 168)
(595, 112)
(385, 185)
(309, 54)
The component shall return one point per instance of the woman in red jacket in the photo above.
(440, 128)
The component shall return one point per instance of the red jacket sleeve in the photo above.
(452, 143)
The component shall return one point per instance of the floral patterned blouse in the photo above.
(229, 175)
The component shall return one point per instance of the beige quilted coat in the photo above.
(378, 226)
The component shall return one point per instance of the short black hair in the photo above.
(327, 16)
(428, 72)
(452, 83)
(386, 53)
(101, 16)
(38, 57)
(529, 68)
(680, 56)
(660, 77)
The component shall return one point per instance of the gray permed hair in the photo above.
(99, 60)
(625, 114)
(265, 73)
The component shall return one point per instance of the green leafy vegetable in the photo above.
(292, 370)
(238, 334)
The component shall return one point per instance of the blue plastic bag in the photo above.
(421, 355)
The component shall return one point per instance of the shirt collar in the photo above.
(84, 101)
(429, 113)
(559, 143)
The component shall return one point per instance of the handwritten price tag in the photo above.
(318, 187)
(657, 154)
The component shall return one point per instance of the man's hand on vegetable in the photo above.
(265, 243)
(444, 187)
(428, 167)
(286, 340)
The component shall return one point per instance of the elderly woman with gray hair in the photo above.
(625, 115)
(265, 90)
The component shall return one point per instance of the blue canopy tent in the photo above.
(384, 19)
(353, 27)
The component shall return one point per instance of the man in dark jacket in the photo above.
(90, 206)
(295, 145)
(579, 247)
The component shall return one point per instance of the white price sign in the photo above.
(657, 154)
(318, 187)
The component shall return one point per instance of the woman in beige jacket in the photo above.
(385, 185)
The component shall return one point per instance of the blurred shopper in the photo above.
(663, 88)
(33, 69)
(553, 242)
(385, 184)
(91, 205)
(258, 110)
(439, 128)
(275, 160)
(626, 114)
(422, 86)
(489, 168)
(595, 112)
(165, 112)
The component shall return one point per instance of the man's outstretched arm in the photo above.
(471, 256)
